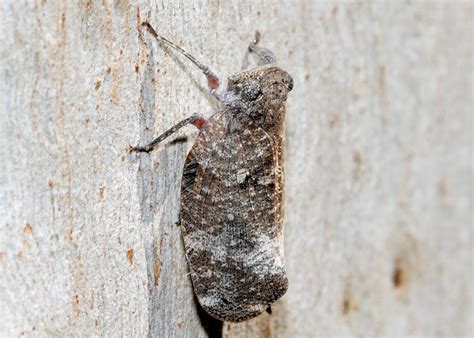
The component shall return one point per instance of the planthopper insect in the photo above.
(232, 189)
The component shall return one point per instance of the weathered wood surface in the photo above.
(378, 162)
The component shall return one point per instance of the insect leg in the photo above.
(264, 56)
(212, 79)
(196, 119)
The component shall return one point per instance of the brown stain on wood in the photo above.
(382, 78)
(88, 5)
(333, 121)
(407, 266)
(349, 305)
(101, 192)
(265, 329)
(28, 229)
(399, 275)
(63, 21)
(130, 256)
(117, 82)
(357, 159)
(75, 304)
(157, 272)
(138, 18)
(262, 326)
(442, 188)
(92, 300)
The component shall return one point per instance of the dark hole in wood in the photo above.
(399, 276)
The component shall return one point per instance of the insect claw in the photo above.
(255, 41)
(257, 37)
(145, 149)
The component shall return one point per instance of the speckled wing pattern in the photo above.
(232, 214)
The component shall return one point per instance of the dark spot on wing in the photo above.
(190, 173)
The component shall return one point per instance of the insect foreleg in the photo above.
(196, 119)
(264, 56)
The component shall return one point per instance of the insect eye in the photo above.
(249, 90)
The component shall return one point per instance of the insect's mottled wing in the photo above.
(231, 205)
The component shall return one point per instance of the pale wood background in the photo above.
(379, 165)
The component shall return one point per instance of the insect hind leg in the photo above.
(196, 119)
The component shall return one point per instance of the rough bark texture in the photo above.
(378, 161)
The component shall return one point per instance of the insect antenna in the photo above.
(212, 79)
